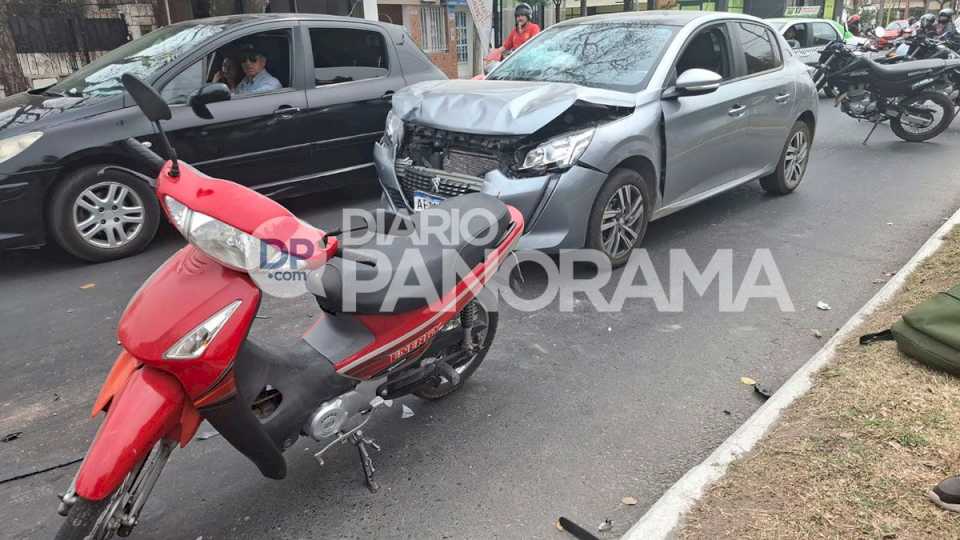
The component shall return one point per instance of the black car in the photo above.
(309, 123)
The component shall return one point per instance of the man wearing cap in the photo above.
(256, 78)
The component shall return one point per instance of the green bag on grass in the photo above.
(929, 333)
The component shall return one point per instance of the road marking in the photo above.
(661, 520)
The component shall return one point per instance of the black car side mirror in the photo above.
(149, 101)
(208, 93)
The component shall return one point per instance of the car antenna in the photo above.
(169, 151)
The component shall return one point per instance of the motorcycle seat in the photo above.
(908, 70)
(435, 244)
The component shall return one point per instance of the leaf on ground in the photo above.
(88, 285)
(606, 525)
(748, 381)
(10, 437)
(823, 306)
(629, 501)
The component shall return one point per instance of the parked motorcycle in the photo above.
(186, 354)
(923, 47)
(903, 93)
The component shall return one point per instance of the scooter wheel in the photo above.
(466, 366)
(84, 520)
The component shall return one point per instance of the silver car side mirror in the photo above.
(697, 81)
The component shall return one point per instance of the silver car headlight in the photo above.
(559, 152)
(230, 246)
(393, 131)
(14, 145)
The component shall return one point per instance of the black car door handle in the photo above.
(737, 111)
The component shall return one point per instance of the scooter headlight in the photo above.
(194, 344)
(230, 246)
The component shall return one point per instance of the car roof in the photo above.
(248, 19)
(672, 17)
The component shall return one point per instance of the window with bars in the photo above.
(433, 25)
(460, 17)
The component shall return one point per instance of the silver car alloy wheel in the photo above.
(795, 158)
(621, 221)
(108, 215)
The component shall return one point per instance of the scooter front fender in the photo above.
(149, 407)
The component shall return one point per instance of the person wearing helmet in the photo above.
(524, 30)
(928, 24)
(945, 26)
(853, 25)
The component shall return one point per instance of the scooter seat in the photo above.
(442, 242)
(907, 70)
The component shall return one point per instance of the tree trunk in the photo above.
(628, 5)
(11, 72)
(583, 8)
(201, 9)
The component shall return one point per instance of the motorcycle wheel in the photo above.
(464, 364)
(947, 115)
(87, 520)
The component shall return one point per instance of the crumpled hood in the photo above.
(496, 107)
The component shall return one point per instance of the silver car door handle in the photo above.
(782, 98)
(286, 112)
(737, 110)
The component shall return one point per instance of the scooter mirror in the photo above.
(149, 101)
(208, 93)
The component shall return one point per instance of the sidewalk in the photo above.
(855, 456)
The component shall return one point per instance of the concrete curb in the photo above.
(663, 518)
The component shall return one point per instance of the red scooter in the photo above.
(187, 355)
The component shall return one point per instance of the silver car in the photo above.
(601, 124)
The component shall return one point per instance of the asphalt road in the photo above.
(569, 413)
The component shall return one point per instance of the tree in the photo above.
(11, 72)
(583, 8)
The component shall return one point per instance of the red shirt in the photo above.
(518, 37)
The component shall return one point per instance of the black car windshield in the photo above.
(143, 57)
(614, 56)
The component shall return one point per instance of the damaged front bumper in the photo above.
(552, 205)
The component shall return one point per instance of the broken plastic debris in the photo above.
(539, 348)
(629, 501)
(609, 329)
(577, 531)
(763, 391)
(605, 525)
(10, 437)
(378, 401)
(208, 434)
(817, 334)
(407, 412)
(88, 285)
(879, 281)
(823, 306)
(748, 381)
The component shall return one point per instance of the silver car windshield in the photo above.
(143, 57)
(614, 56)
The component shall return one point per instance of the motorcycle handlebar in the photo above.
(148, 156)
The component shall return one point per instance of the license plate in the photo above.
(423, 200)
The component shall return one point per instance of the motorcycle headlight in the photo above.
(194, 344)
(393, 131)
(230, 246)
(14, 145)
(560, 152)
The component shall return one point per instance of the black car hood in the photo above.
(497, 107)
(33, 112)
